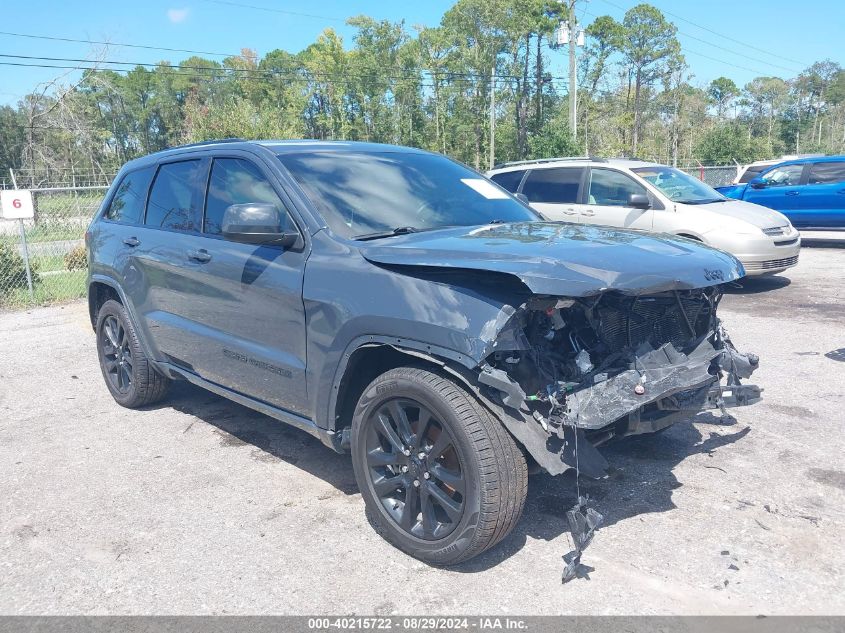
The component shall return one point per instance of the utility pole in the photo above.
(573, 83)
(492, 117)
(568, 33)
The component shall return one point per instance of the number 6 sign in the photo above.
(17, 204)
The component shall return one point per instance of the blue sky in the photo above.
(775, 37)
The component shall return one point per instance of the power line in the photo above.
(105, 43)
(274, 10)
(726, 37)
(715, 59)
(223, 71)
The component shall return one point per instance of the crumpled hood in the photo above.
(759, 216)
(564, 259)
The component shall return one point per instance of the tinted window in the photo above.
(173, 199)
(235, 181)
(127, 206)
(558, 185)
(359, 193)
(612, 188)
(784, 175)
(826, 173)
(509, 179)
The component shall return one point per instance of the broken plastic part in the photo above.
(583, 523)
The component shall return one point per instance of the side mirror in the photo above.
(639, 201)
(521, 197)
(257, 223)
(757, 183)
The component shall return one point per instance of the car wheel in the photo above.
(129, 375)
(441, 477)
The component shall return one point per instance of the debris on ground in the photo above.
(583, 523)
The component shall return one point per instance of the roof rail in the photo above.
(538, 161)
(211, 142)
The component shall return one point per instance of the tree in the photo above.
(649, 43)
(721, 92)
(728, 143)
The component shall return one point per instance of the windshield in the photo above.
(365, 193)
(678, 186)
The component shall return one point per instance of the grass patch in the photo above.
(53, 288)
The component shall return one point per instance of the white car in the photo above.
(635, 194)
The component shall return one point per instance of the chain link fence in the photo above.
(43, 260)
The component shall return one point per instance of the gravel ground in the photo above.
(200, 506)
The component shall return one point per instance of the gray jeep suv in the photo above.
(397, 305)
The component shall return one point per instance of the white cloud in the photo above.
(177, 15)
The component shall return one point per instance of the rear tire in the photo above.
(130, 377)
(441, 477)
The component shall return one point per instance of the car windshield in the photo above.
(678, 186)
(365, 194)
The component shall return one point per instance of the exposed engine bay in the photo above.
(587, 369)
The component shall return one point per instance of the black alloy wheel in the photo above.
(116, 354)
(414, 468)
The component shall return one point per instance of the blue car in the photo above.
(808, 191)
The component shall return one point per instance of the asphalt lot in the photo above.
(200, 506)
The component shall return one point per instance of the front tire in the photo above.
(441, 477)
(130, 377)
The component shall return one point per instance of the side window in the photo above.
(555, 185)
(787, 175)
(826, 173)
(127, 205)
(173, 200)
(235, 181)
(612, 188)
(509, 179)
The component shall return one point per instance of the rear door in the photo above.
(784, 191)
(158, 256)
(555, 192)
(824, 195)
(607, 201)
(247, 305)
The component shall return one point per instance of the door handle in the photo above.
(588, 212)
(200, 255)
(791, 193)
(132, 241)
(568, 211)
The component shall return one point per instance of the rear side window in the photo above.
(235, 181)
(173, 200)
(751, 172)
(127, 205)
(827, 173)
(509, 179)
(612, 188)
(556, 185)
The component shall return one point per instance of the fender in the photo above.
(130, 310)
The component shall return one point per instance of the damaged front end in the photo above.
(572, 373)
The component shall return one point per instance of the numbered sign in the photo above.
(17, 204)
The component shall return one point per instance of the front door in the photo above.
(248, 306)
(607, 203)
(783, 191)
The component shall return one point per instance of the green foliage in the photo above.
(77, 259)
(430, 88)
(729, 143)
(13, 270)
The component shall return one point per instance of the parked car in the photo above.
(635, 194)
(744, 173)
(808, 191)
(396, 304)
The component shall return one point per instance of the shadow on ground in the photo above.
(641, 479)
